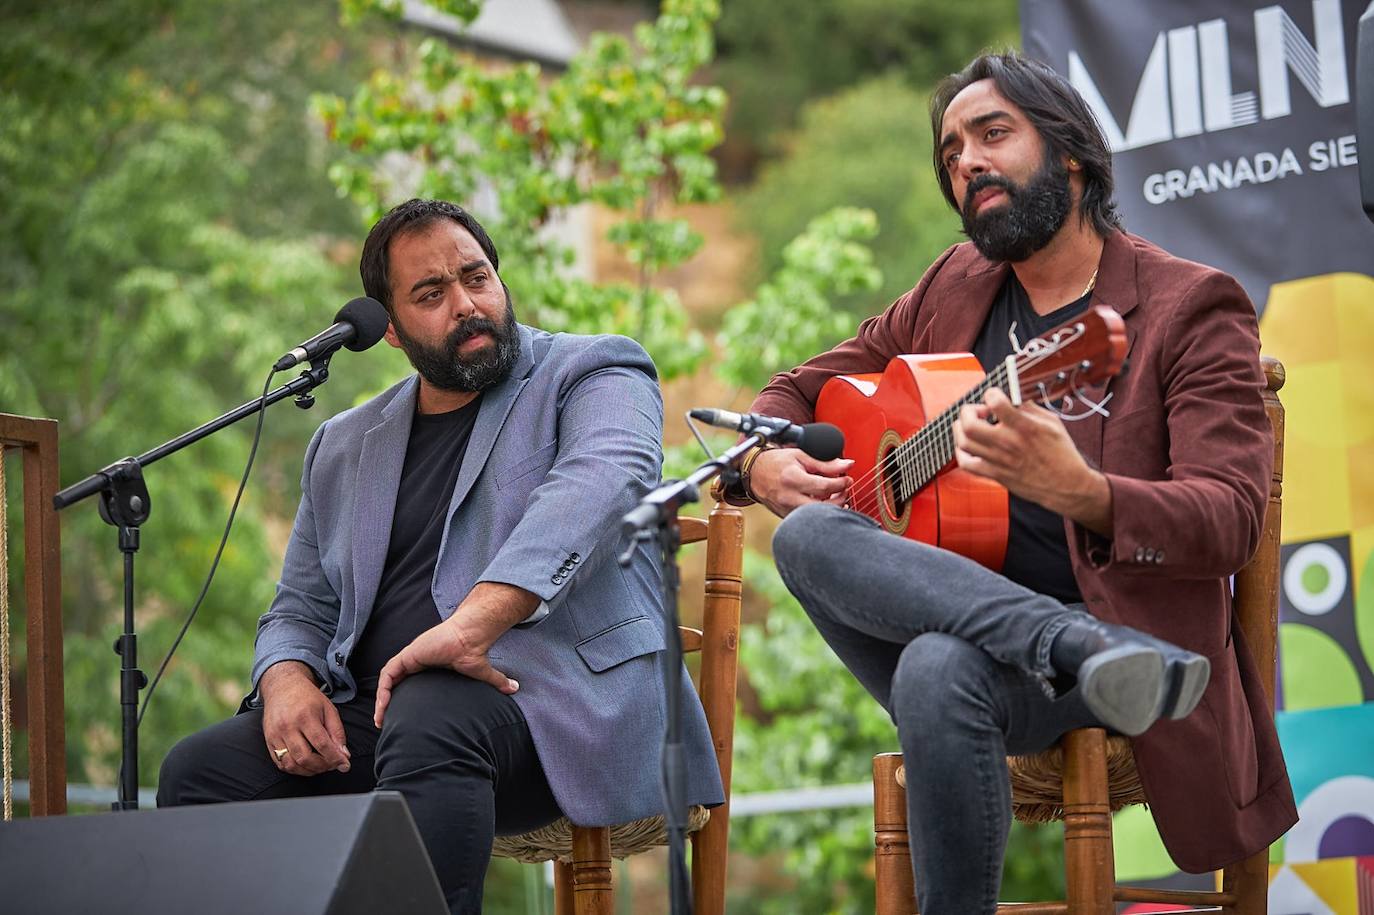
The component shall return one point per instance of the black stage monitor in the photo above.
(345, 855)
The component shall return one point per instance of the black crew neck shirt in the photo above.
(1037, 551)
(405, 607)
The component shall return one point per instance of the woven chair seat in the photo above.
(1037, 782)
(555, 840)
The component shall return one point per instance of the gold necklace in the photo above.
(1092, 281)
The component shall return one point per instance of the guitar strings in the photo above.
(918, 454)
(932, 444)
(921, 451)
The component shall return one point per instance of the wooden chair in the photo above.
(582, 874)
(36, 439)
(1089, 775)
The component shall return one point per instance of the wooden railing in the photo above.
(37, 440)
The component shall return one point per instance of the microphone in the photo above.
(358, 325)
(821, 441)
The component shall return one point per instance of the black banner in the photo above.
(1232, 126)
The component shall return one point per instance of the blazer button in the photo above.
(575, 558)
(1140, 554)
(338, 658)
(557, 579)
(1159, 558)
(1150, 555)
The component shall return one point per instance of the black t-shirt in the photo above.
(405, 605)
(1037, 552)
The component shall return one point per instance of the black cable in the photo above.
(223, 540)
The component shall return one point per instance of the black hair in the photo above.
(412, 216)
(1055, 109)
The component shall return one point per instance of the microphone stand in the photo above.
(656, 518)
(125, 504)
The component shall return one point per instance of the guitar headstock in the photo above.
(1083, 352)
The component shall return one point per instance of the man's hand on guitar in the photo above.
(1029, 451)
(786, 478)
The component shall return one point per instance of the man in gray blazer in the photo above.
(451, 622)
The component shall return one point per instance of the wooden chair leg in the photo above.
(710, 847)
(562, 888)
(591, 871)
(1088, 868)
(894, 884)
(1249, 881)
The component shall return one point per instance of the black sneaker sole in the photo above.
(1188, 678)
(1125, 687)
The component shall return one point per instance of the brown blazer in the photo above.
(1187, 451)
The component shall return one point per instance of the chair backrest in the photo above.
(37, 440)
(718, 642)
(1257, 585)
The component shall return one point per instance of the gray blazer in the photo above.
(560, 451)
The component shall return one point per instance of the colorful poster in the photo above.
(1232, 127)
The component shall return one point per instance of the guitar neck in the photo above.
(923, 455)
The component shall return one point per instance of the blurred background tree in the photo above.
(186, 187)
(168, 229)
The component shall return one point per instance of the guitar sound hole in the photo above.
(893, 512)
(894, 486)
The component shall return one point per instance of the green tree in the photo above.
(166, 223)
(777, 56)
(867, 146)
(624, 128)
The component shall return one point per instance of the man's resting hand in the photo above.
(298, 717)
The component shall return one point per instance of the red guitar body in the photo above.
(958, 511)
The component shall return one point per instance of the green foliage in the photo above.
(622, 128)
(776, 56)
(818, 727)
(885, 119)
(146, 289)
(792, 316)
(352, 12)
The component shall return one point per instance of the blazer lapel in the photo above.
(1115, 288)
(963, 309)
(491, 416)
(378, 479)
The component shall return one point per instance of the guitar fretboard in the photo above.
(918, 459)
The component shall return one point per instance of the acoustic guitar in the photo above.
(898, 430)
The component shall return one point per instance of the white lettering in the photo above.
(1220, 174)
(1280, 46)
(1288, 164)
(1349, 152)
(1154, 190)
(1337, 152)
(1244, 173)
(1261, 168)
(1185, 88)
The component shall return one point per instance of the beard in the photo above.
(1033, 214)
(445, 368)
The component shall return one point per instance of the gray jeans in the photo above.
(960, 658)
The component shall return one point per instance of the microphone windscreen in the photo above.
(369, 317)
(822, 441)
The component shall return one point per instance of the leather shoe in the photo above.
(1130, 679)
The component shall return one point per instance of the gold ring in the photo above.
(280, 754)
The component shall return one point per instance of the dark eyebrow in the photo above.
(979, 121)
(434, 280)
(437, 280)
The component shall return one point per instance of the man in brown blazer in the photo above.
(1114, 605)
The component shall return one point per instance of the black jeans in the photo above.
(458, 750)
(960, 658)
